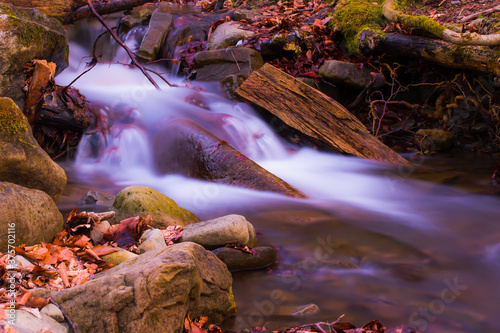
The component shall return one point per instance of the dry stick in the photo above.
(484, 12)
(118, 40)
(64, 314)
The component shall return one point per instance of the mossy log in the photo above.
(477, 58)
(313, 113)
(438, 30)
(69, 11)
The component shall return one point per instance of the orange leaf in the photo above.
(25, 298)
(101, 250)
(63, 273)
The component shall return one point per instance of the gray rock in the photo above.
(248, 15)
(152, 240)
(29, 323)
(434, 139)
(236, 260)
(159, 25)
(216, 65)
(97, 232)
(138, 16)
(31, 214)
(118, 257)
(27, 34)
(227, 34)
(152, 293)
(22, 161)
(220, 232)
(54, 312)
(143, 200)
(230, 84)
(346, 73)
(98, 198)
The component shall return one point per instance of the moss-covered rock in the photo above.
(26, 216)
(143, 200)
(22, 161)
(27, 34)
(434, 139)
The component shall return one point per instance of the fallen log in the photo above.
(313, 114)
(484, 59)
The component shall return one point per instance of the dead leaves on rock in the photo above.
(196, 326)
(172, 234)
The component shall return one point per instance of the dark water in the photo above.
(371, 241)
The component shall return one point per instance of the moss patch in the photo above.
(354, 16)
(12, 122)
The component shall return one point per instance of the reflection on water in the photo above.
(369, 241)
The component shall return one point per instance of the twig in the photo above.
(64, 314)
(484, 12)
(105, 7)
(441, 3)
(122, 44)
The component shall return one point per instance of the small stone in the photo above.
(236, 260)
(248, 15)
(98, 198)
(220, 232)
(118, 257)
(22, 261)
(227, 34)
(434, 139)
(97, 232)
(53, 311)
(26, 322)
(346, 73)
(152, 240)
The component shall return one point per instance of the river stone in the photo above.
(227, 34)
(152, 240)
(346, 73)
(26, 322)
(184, 147)
(152, 293)
(118, 257)
(142, 201)
(22, 161)
(54, 312)
(158, 28)
(434, 139)
(236, 260)
(218, 64)
(33, 212)
(220, 232)
(137, 16)
(249, 15)
(27, 34)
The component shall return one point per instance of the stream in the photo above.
(370, 241)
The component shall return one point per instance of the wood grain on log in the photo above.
(313, 113)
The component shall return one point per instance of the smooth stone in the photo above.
(159, 26)
(98, 231)
(22, 261)
(220, 232)
(236, 260)
(98, 198)
(54, 312)
(227, 34)
(346, 73)
(248, 15)
(152, 240)
(434, 139)
(117, 257)
(28, 323)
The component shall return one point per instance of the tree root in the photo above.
(438, 30)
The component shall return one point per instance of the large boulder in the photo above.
(216, 65)
(221, 231)
(22, 161)
(142, 201)
(228, 34)
(27, 34)
(152, 293)
(184, 147)
(26, 216)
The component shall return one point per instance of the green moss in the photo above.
(422, 22)
(12, 122)
(354, 16)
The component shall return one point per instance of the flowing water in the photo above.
(370, 241)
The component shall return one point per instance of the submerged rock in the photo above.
(227, 34)
(32, 213)
(152, 293)
(182, 146)
(218, 64)
(22, 161)
(142, 201)
(27, 34)
(220, 232)
(236, 260)
(434, 139)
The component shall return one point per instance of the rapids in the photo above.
(369, 241)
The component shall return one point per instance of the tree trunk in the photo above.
(313, 113)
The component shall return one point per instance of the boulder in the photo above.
(142, 201)
(22, 161)
(349, 74)
(152, 293)
(158, 28)
(30, 215)
(220, 232)
(227, 34)
(216, 65)
(27, 34)
(434, 139)
(184, 147)
(237, 260)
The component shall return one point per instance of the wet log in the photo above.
(313, 114)
(477, 58)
